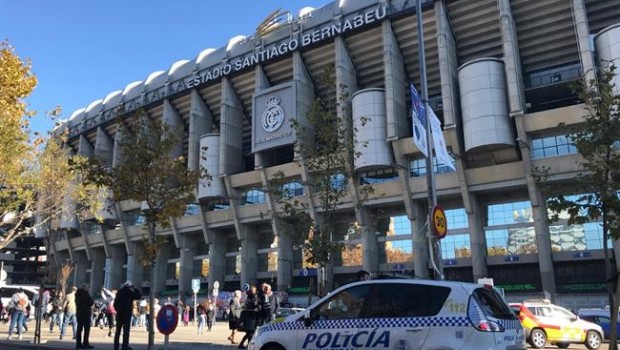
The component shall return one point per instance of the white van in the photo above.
(399, 314)
(7, 291)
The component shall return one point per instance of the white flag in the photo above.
(441, 151)
(418, 121)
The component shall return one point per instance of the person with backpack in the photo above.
(110, 311)
(69, 309)
(19, 303)
(57, 315)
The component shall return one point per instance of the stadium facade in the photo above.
(499, 75)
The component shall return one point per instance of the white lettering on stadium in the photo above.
(283, 48)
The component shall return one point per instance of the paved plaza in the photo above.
(183, 338)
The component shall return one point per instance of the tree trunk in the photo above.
(153, 266)
(611, 274)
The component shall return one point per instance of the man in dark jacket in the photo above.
(123, 303)
(83, 306)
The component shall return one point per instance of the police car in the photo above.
(399, 314)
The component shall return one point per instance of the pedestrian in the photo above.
(269, 304)
(249, 317)
(363, 275)
(83, 304)
(123, 303)
(234, 307)
(110, 311)
(135, 313)
(144, 310)
(201, 310)
(69, 310)
(185, 315)
(18, 304)
(57, 314)
(210, 315)
(180, 308)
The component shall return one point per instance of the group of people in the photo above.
(260, 307)
(76, 309)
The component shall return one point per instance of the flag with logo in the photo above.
(418, 121)
(441, 150)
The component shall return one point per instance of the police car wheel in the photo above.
(593, 340)
(538, 339)
(562, 345)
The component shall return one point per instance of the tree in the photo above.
(151, 171)
(33, 169)
(596, 196)
(328, 159)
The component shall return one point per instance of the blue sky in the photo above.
(81, 50)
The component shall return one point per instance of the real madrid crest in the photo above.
(273, 116)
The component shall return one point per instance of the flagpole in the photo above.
(435, 250)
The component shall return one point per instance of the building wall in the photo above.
(496, 215)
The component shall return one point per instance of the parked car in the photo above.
(601, 317)
(399, 314)
(545, 322)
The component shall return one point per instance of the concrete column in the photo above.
(217, 257)
(539, 214)
(260, 83)
(79, 270)
(103, 146)
(420, 241)
(305, 95)
(477, 238)
(231, 131)
(135, 270)
(249, 257)
(582, 28)
(512, 59)
(114, 267)
(161, 267)
(448, 67)
(200, 123)
(543, 243)
(285, 261)
(370, 244)
(176, 126)
(396, 107)
(97, 265)
(188, 249)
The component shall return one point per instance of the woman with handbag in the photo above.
(248, 317)
(234, 313)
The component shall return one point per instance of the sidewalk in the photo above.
(183, 338)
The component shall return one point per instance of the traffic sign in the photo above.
(246, 287)
(167, 319)
(216, 285)
(440, 224)
(196, 285)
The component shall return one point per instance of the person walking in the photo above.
(210, 315)
(249, 317)
(18, 303)
(69, 310)
(201, 310)
(123, 303)
(234, 313)
(57, 314)
(83, 304)
(110, 311)
(185, 315)
(269, 303)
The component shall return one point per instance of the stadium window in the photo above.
(252, 196)
(417, 167)
(551, 146)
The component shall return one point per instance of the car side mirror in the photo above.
(307, 318)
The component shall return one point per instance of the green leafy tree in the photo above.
(34, 169)
(596, 188)
(328, 158)
(149, 171)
